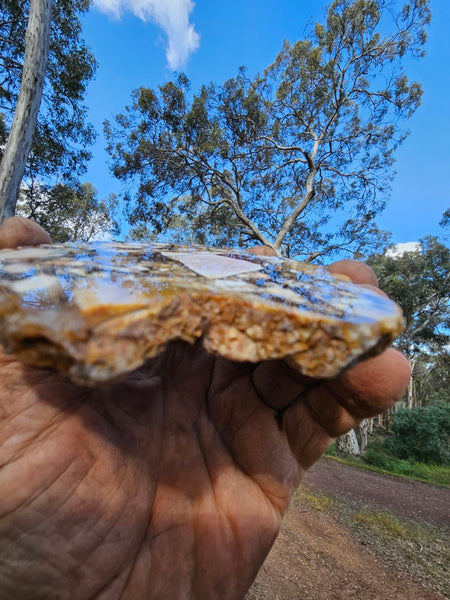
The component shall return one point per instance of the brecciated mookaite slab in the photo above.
(100, 310)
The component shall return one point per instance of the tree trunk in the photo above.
(348, 444)
(411, 384)
(18, 144)
(362, 431)
(388, 417)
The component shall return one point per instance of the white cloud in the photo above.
(171, 15)
(400, 249)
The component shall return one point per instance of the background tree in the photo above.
(432, 378)
(445, 221)
(445, 224)
(69, 213)
(420, 282)
(61, 136)
(299, 158)
(18, 143)
(422, 434)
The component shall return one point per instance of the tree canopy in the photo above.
(68, 212)
(62, 135)
(420, 283)
(299, 158)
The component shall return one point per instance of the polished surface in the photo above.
(73, 293)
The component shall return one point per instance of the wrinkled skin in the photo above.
(172, 483)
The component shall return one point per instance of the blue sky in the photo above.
(141, 42)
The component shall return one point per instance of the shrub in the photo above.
(380, 459)
(422, 434)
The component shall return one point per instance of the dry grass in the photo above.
(315, 500)
(419, 549)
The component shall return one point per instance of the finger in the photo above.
(358, 272)
(331, 408)
(18, 231)
(277, 384)
(374, 385)
(263, 251)
(314, 414)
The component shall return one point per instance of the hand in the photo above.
(170, 484)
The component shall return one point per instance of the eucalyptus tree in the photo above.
(60, 136)
(420, 282)
(69, 212)
(299, 158)
(18, 143)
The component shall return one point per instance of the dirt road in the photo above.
(413, 500)
(316, 557)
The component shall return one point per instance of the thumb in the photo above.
(18, 231)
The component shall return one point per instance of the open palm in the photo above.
(169, 484)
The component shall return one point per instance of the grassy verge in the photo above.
(419, 549)
(379, 460)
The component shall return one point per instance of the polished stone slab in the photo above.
(100, 310)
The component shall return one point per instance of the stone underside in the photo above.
(100, 310)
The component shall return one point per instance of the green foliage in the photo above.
(445, 224)
(420, 282)
(381, 460)
(299, 158)
(422, 434)
(69, 212)
(445, 221)
(385, 461)
(431, 377)
(62, 134)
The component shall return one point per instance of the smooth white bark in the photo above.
(348, 444)
(18, 144)
(362, 432)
